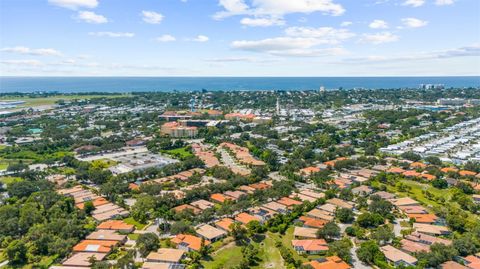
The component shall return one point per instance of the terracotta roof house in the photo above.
(415, 209)
(340, 203)
(362, 190)
(416, 165)
(109, 235)
(302, 197)
(406, 201)
(472, 261)
(431, 229)
(310, 246)
(245, 218)
(449, 169)
(246, 189)
(181, 208)
(188, 242)
(259, 186)
(333, 262)
(305, 233)
(96, 202)
(423, 218)
(307, 171)
(427, 239)
(277, 207)
(320, 214)
(467, 173)
(224, 224)
(312, 223)
(166, 255)
(288, 202)
(411, 173)
(117, 225)
(202, 204)
(313, 194)
(452, 265)
(209, 232)
(330, 208)
(235, 195)
(263, 213)
(412, 246)
(81, 259)
(101, 246)
(385, 195)
(219, 198)
(395, 170)
(398, 257)
(428, 177)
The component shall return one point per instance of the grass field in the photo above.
(9, 180)
(231, 255)
(45, 101)
(181, 153)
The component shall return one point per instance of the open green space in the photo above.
(51, 100)
(8, 180)
(138, 225)
(181, 153)
(228, 257)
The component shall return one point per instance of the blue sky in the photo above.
(239, 37)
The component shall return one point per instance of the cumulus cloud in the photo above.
(74, 4)
(200, 38)
(444, 2)
(379, 38)
(299, 41)
(262, 22)
(151, 17)
(112, 34)
(467, 51)
(414, 3)
(29, 51)
(91, 17)
(378, 24)
(165, 38)
(278, 7)
(413, 22)
(346, 23)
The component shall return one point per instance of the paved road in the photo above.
(397, 228)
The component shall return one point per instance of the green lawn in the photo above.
(269, 254)
(287, 242)
(181, 153)
(138, 225)
(133, 236)
(226, 258)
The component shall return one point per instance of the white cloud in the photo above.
(22, 62)
(91, 17)
(241, 59)
(165, 38)
(414, 3)
(413, 22)
(151, 17)
(286, 46)
(299, 41)
(322, 35)
(112, 34)
(200, 38)
(346, 23)
(467, 51)
(278, 7)
(379, 38)
(262, 22)
(378, 24)
(74, 4)
(444, 2)
(29, 51)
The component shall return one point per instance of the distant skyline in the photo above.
(239, 38)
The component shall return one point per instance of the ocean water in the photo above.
(139, 84)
